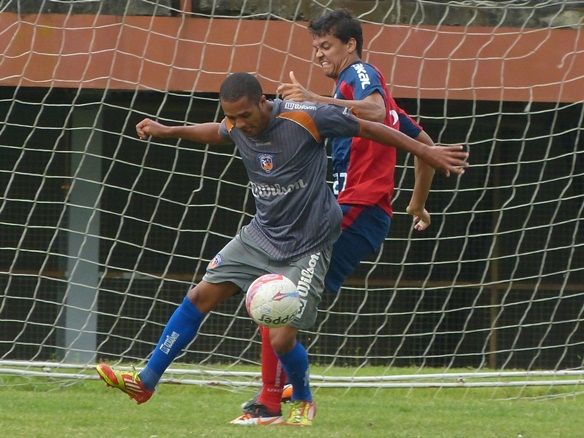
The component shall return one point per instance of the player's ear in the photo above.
(263, 102)
(351, 45)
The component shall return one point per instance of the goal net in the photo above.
(102, 234)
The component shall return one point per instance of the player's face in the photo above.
(333, 55)
(249, 117)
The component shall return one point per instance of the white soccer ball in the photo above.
(272, 300)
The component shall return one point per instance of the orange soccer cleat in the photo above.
(125, 381)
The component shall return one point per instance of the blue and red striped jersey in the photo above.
(363, 170)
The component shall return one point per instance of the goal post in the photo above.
(102, 234)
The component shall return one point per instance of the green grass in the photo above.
(37, 407)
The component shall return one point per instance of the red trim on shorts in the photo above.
(350, 216)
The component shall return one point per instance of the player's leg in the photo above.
(273, 374)
(225, 277)
(275, 387)
(308, 274)
(294, 359)
(179, 331)
(364, 230)
(268, 410)
(265, 407)
(183, 326)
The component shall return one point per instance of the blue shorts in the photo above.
(364, 229)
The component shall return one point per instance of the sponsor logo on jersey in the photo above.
(298, 106)
(266, 162)
(362, 75)
(394, 117)
(270, 190)
(217, 261)
(305, 282)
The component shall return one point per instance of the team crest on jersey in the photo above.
(217, 261)
(266, 162)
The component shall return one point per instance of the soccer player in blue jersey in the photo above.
(363, 172)
(287, 235)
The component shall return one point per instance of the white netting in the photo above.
(102, 234)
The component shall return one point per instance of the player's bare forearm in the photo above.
(370, 108)
(424, 174)
(447, 159)
(205, 133)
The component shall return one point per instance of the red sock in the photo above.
(273, 375)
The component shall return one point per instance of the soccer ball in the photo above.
(272, 300)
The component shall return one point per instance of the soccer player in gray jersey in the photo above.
(282, 148)
(362, 171)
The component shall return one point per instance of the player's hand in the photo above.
(421, 217)
(447, 159)
(295, 91)
(149, 128)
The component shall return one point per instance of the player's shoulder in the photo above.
(305, 114)
(360, 68)
(320, 120)
(362, 74)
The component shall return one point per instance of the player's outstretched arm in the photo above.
(206, 133)
(370, 108)
(445, 159)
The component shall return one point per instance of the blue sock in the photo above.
(295, 363)
(178, 333)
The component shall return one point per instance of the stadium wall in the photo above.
(194, 54)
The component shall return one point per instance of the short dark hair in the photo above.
(341, 24)
(238, 85)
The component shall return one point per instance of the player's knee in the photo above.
(206, 296)
(283, 339)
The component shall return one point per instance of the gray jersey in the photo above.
(296, 211)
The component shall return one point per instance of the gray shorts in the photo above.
(241, 262)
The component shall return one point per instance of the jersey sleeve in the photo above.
(363, 80)
(407, 125)
(224, 130)
(336, 121)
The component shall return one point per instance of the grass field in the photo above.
(37, 407)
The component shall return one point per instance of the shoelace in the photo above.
(297, 412)
(134, 373)
(135, 380)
